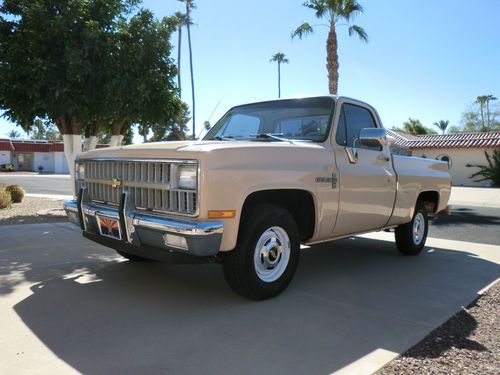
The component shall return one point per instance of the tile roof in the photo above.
(18, 145)
(456, 140)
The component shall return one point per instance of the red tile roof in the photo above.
(33, 146)
(457, 140)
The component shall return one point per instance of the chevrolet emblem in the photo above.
(115, 183)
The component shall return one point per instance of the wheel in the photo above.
(410, 237)
(131, 257)
(266, 255)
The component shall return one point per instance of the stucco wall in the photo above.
(44, 159)
(459, 158)
(60, 164)
(5, 157)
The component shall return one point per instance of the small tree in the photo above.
(489, 172)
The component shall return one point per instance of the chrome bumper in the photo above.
(145, 229)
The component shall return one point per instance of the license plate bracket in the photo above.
(109, 227)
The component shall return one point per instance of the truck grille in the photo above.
(151, 185)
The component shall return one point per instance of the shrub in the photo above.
(3, 186)
(16, 192)
(7, 167)
(5, 198)
(40, 168)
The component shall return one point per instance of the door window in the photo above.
(352, 119)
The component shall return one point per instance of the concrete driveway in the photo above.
(69, 306)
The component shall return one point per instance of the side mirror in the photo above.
(372, 137)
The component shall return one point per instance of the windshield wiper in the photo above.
(219, 138)
(271, 136)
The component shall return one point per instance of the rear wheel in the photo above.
(266, 256)
(410, 237)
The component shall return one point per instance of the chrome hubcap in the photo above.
(272, 254)
(418, 228)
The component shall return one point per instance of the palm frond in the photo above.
(347, 9)
(359, 31)
(303, 30)
(319, 6)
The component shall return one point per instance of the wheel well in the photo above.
(430, 200)
(299, 203)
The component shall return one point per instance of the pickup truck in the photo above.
(266, 178)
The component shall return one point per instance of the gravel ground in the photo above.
(468, 343)
(33, 210)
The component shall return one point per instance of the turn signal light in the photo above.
(221, 214)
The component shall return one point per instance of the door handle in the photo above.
(383, 157)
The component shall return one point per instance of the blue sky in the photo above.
(425, 59)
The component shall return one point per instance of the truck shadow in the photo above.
(463, 215)
(349, 298)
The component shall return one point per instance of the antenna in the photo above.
(215, 108)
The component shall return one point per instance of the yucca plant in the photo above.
(489, 172)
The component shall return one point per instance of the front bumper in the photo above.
(141, 229)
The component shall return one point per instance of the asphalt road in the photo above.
(36, 184)
(467, 223)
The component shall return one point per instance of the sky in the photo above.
(426, 59)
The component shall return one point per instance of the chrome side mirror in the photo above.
(372, 137)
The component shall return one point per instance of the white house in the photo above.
(457, 149)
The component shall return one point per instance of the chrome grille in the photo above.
(151, 185)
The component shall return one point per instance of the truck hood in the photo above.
(189, 149)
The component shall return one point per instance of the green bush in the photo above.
(5, 199)
(16, 192)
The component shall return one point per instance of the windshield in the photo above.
(295, 119)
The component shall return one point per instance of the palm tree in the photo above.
(481, 100)
(442, 125)
(280, 58)
(337, 13)
(180, 21)
(488, 98)
(13, 134)
(189, 6)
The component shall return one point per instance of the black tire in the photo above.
(131, 257)
(407, 241)
(240, 265)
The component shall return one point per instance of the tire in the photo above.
(410, 237)
(266, 256)
(131, 257)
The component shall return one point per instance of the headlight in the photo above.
(187, 176)
(80, 172)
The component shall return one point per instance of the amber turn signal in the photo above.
(221, 214)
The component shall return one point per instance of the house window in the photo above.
(445, 158)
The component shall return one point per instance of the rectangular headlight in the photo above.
(187, 177)
(80, 171)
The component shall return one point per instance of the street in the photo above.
(39, 184)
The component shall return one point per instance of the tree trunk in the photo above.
(116, 140)
(72, 147)
(488, 114)
(332, 60)
(279, 81)
(71, 131)
(188, 16)
(179, 61)
(90, 143)
(481, 107)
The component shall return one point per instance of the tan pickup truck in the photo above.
(266, 178)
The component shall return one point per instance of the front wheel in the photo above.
(410, 237)
(266, 256)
